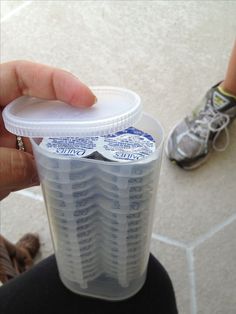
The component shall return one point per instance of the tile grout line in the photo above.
(169, 241)
(192, 280)
(191, 270)
(212, 232)
(29, 194)
(15, 11)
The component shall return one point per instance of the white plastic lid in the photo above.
(115, 110)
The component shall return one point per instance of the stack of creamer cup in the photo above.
(99, 170)
(100, 215)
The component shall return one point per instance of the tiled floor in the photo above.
(170, 52)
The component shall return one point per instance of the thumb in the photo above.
(17, 170)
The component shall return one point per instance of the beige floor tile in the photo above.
(35, 190)
(191, 203)
(9, 6)
(215, 273)
(175, 262)
(19, 215)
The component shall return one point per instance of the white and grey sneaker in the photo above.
(191, 140)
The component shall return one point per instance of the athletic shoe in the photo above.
(191, 140)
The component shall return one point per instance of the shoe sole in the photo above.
(198, 163)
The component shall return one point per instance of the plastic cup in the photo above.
(100, 211)
(124, 182)
(122, 196)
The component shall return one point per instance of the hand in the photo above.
(17, 78)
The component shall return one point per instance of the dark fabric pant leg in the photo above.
(40, 291)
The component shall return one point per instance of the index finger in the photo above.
(19, 78)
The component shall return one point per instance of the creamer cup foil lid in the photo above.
(130, 144)
(115, 110)
(127, 145)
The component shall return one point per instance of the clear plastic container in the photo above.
(112, 277)
(100, 212)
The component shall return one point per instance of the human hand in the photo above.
(17, 78)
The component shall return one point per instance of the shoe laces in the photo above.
(211, 120)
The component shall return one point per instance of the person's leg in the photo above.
(40, 291)
(229, 84)
(191, 140)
